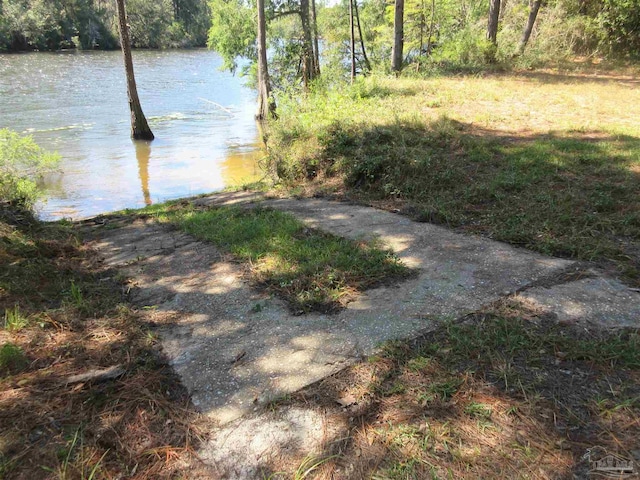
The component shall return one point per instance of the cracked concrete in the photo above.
(600, 301)
(236, 348)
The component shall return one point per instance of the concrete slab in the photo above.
(602, 301)
(236, 348)
(246, 449)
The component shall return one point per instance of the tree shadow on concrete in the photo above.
(491, 397)
(236, 349)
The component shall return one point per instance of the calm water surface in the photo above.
(76, 103)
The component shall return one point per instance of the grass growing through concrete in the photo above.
(548, 162)
(310, 269)
(507, 393)
(65, 314)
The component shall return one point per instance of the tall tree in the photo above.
(316, 48)
(139, 127)
(398, 36)
(308, 71)
(494, 18)
(352, 42)
(367, 63)
(533, 14)
(431, 25)
(266, 106)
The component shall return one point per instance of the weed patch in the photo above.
(12, 358)
(310, 269)
(14, 320)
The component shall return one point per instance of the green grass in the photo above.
(14, 320)
(12, 358)
(312, 270)
(501, 338)
(542, 163)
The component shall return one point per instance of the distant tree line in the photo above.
(93, 24)
(352, 37)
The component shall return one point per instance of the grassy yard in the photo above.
(546, 161)
(64, 314)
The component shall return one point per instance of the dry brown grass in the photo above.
(139, 425)
(515, 402)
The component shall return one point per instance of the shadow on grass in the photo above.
(568, 194)
(585, 78)
(73, 320)
(503, 394)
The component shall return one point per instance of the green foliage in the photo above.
(233, 31)
(55, 24)
(12, 358)
(21, 163)
(620, 19)
(451, 34)
(467, 47)
(150, 22)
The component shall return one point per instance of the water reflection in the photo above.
(143, 153)
(76, 104)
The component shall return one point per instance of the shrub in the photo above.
(22, 162)
(12, 358)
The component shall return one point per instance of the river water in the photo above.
(76, 104)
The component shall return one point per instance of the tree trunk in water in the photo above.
(316, 48)
(265, 105)
(398, 36)
(367, 64)
(307, 47)
(533, 14)
(139, 127)
(352, 42)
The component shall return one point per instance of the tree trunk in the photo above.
(307, 47)
(352, 42)
(367, 64)
(139, 127)
(398, 36)
(503, 7)
(265, 105)
(494, 17)
(531, 21)
(423, 22)
(431, 25)
(316, 48)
